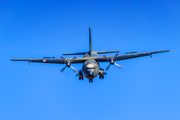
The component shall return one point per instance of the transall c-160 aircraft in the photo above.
(91, 60)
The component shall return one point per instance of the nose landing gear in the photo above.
(90, 80)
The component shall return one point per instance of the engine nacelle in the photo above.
(101, 72)
(80, 74)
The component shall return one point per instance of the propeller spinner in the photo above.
(112, 61)
(68, 64)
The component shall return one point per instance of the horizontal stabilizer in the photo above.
(82, 53)
(101, 52)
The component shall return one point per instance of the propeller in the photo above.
(112, 61)
(68, 64)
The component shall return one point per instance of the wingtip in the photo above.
(166, 51)
(12, 59)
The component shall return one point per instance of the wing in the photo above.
(57, 61)
(129, 56)
(99, 59)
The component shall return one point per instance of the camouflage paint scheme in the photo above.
(91, 60)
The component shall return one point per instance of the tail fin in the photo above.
(90, 42)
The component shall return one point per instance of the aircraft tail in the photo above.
(90, 49)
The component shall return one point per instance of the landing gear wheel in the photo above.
(101, 77)
(90, 80)
(81, 78)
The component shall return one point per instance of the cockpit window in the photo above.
(91, 68)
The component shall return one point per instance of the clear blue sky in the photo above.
(144, 89)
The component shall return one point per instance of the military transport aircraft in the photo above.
(91, 59)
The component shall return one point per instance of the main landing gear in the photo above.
(101, 77)
(80, 75)
(81, 78)
(90, 80)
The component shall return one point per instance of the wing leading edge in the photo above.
(57, 61)
(129, 56)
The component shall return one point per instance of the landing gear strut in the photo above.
(90, 80)
(101, 77)
(80, 75)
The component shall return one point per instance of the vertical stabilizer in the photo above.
(90, 42)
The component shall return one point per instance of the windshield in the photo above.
(90, 68)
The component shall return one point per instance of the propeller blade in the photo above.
(119, 66)
(63, 69)
(62, 57)
(108, 67)
(73, 69)
(115, 56)
(73, 59)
